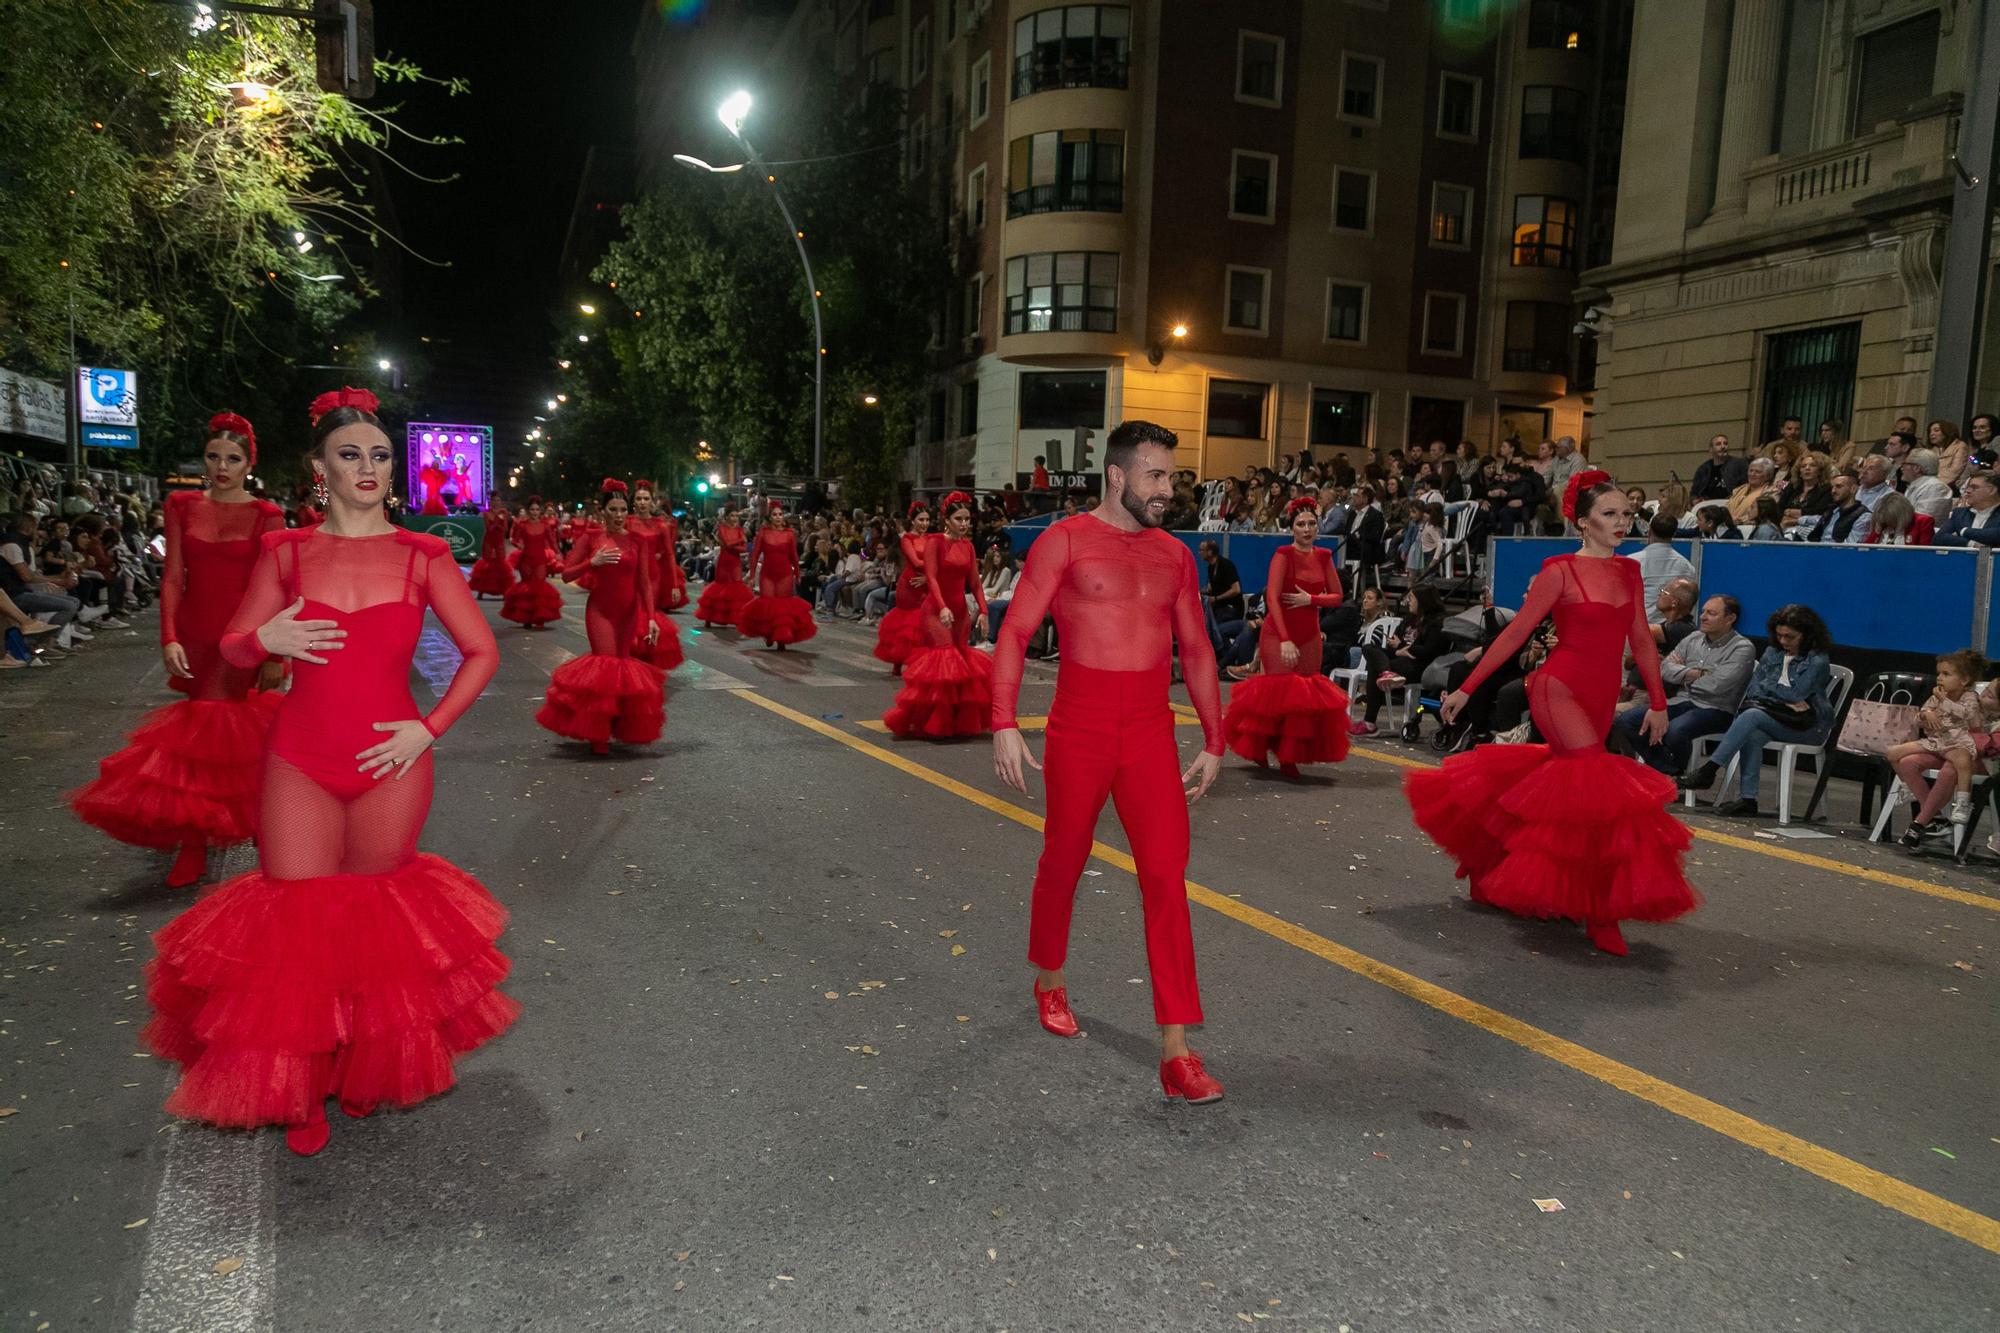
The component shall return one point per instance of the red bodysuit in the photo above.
(1565, 829)
(901, 632)
(1120, 600)
(1291, 711)
(723, 600)
(490, 575)
(947, 687)
(777, 614)
(347, 964)
(609, 693)
(534, 600)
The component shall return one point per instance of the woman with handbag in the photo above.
(1787, 701)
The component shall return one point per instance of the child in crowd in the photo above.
(1947, 720)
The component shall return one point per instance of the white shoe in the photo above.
(1961, 809)
(90, 615)
(79, 633)
(113, 622)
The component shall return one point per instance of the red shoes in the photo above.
(1606, 936)
(1053, 1006)
(190, 865)
(309, 1138)
(1183, 1076)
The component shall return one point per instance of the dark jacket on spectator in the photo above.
(1713, 483)
(1959, 530)
(1835, 524)
(1807, 500)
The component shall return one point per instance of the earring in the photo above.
(319, 489)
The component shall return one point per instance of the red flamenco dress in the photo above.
(430, 481)
(901, 633)
(534, 601)
(491, 574)
(1293, 711)
(723, 600)
(947, 686)
(1566, 829)
(777, 614)
(665, 652)
(609, 693)
(348, 964)
(670, 584)
(187, 777)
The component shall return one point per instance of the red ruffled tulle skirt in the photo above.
(946, 692)
(777, 620)
(532, 602)
(493, 577)
(722, 603)
(601, 699)
(1302, 719)
(900, 636)
(1586, 836)
(277, 994)
(188, 771)
(666, 652)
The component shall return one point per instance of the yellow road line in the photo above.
(1024, 723)
(1921, 1205)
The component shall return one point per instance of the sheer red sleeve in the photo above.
(579, 556)
(1543, 594)
(933, 584)
(173, 578)
(1645, 653)
(264, 598)
(1276, 585)
(461, 617)
(1034, 593)
(1198, 672)
(648, 588)
(1331, 598)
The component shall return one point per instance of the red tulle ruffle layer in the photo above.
(601, 699)
(777, 620)
(946, 692)
(900, 636)
(277, 994)
(532, 602)
(1585, 836)
(493, 577)
(722, 603)
(666, 652)
(1302, 719)
(188, 771)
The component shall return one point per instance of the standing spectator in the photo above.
(1922, 486)
(1846, 519)
(1952, 452)
(1760, 482)
(1978, 519)
(1787, 700)
(1222, 598)
(1711, 669)
(1369, 530)
(1874, 480)
(1720, 473)
(1896, 522)
(1659, 563)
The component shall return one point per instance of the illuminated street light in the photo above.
(583, 337)
(734, 111)
(715, 478)
(552, 404)
(248, 92)
(1179, 330)
(587, 308)
(540, 455)
(869, 400)
(690, 160)
(563, 364)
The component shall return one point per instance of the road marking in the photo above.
(1920, 1205)
(1022, 723)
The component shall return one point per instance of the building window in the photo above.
(1346, 311)
(1544, 231)
(1260, 69)
(1451, 216)
(1893, 68)
(1552, 123)
(1444, 324)
(1360, 88)
(1458, 107)
(1073, 46)
(1537, 337)
(1070, 291)
(1339, 419)
(975, 198)
(1066, 171)
(882, 67)
(1236, 409)
(1253, 186)
(1062, 399)
(1353, 200)
(1559, 25)
(1248, 305)
(1809, 374)
(920, 49)
(919, 143)
(981, 95)
(968, 407)
(975, 304)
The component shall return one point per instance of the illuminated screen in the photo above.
(450, 466)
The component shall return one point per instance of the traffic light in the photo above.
(1082, 450)
(344, 41)
(701, 488)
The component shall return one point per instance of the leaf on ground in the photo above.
(993, 1255)
(681, 1256)
(680, 1286)
(947, 934)
(134, 1226)
(224, 1267)
(957, 950)
(1962, 965)
(964, 1018)
(833, 995)
(614, 893)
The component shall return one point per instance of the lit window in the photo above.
(1451, 216)
(1062, 292)
(1544, 231)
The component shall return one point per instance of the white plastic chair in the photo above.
(1456, 557)
(1353, 679)
(1788, 751)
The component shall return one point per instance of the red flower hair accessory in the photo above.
(533, 500)
(235, 425)
(345, 396)
(917, 507)
(1578, 484)
(1302, 502)
(613, 486)
(641, 484)
(955, 498)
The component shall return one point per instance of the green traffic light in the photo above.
(701, 488)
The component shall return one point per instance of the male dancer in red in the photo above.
(1122, 592)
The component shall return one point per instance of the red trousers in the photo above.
(1111, 733)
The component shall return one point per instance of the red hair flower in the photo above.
(235, 425)
(345, 396)
(1302, 502)
(1578, 484)
(641, 484)
(955, 498)
(613, 486)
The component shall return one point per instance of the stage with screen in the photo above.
(450, 467)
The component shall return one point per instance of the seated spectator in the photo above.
(1981, 437)
(1949, 719)
(35, 592)
(1897, 523)
(1873, 480)
(847, 571)
(1474, 723)
(1368, 533)
(1334, 513)
(1787, 700)
(1770, 526)
(1419, 640)
(1978, 519)
(1720, 473)
(1810, 490)
(1895, 448)
(1922, 487)
(1761, 482)
(1784, 455)
(1425, 540)
(1848, 519)
(1514, 501)
(1840, 452)
(1712, 522)
(1953, 453)
(1710, 670)
(1659, 563)
(1672, 617)
(996, 578)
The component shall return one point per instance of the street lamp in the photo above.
(587, 308)
(732, 113)
(383, 363)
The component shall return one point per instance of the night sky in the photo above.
(548, 81)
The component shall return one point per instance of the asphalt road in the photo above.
(778, 1066)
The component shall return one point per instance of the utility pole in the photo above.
(1969, 244)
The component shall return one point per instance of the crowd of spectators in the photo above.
(74, 562)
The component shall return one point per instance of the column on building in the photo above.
(1750, 101)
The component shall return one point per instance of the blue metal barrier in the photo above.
(1918, 599)
(1251, 551)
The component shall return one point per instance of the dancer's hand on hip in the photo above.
(1202, 773)
(1654, 726)
(285, 635)
(1010, 752)
(1452, 705)
(176, 660)
(400, 751)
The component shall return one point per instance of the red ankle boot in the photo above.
(1606, 936)
(310, 1137)
(190, 865)
(1183, 1076)
(600, 747)
(1053, 1005)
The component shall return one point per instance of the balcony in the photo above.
(1917, 151)
(1068, 196)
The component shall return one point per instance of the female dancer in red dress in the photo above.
(609, 693)
(491, 575)
(187, 777)
(431, 478)
(665, 650)
(1566, 829)
(947, 687)
(534, 601)
(348, 964)
(777, 614)
(723, 600)
(1290, 708)
(901, 633)
(670, 585)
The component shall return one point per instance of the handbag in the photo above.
(1875, 724)
(1786, 717)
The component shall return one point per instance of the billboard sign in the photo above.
(33, 408)
(107, 397)
(110, 437)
